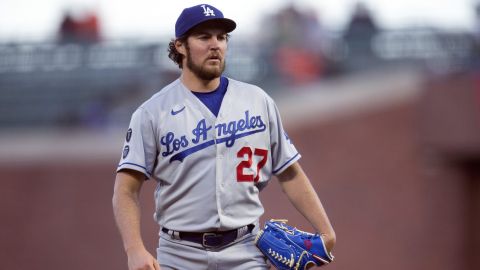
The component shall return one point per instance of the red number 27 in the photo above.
(247, 164)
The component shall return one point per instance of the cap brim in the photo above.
(227, 24)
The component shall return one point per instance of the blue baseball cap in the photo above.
(193, 16)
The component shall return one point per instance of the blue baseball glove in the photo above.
(288, 248)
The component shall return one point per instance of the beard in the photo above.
(202, 71)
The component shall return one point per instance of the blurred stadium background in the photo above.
(387, 120)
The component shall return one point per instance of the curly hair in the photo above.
(173, 54)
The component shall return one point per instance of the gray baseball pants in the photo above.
(242, 254)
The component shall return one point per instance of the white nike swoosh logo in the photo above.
(177, 112)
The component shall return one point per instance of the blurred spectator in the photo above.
(79, 29)
(359, 36)
(67, 29)
(295, 38)
(89, 28)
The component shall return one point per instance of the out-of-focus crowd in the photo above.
(81, 79)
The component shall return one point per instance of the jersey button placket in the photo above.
(218, 177)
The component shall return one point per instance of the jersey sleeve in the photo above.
(139, 150)
(284, 152)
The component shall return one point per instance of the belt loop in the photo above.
(174, 234)
(242, 231)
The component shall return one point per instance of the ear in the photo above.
(180, 46)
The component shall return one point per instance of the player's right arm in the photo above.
(126, 209)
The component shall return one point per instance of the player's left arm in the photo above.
(296, 185)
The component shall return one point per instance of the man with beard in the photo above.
(212, 144)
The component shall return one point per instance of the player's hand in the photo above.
(141, 259)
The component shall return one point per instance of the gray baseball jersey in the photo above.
(209, 170)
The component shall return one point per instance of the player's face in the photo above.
(205, 53)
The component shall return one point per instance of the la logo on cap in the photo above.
(193, 16)
(207, 11)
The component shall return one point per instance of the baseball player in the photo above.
(211, 143)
